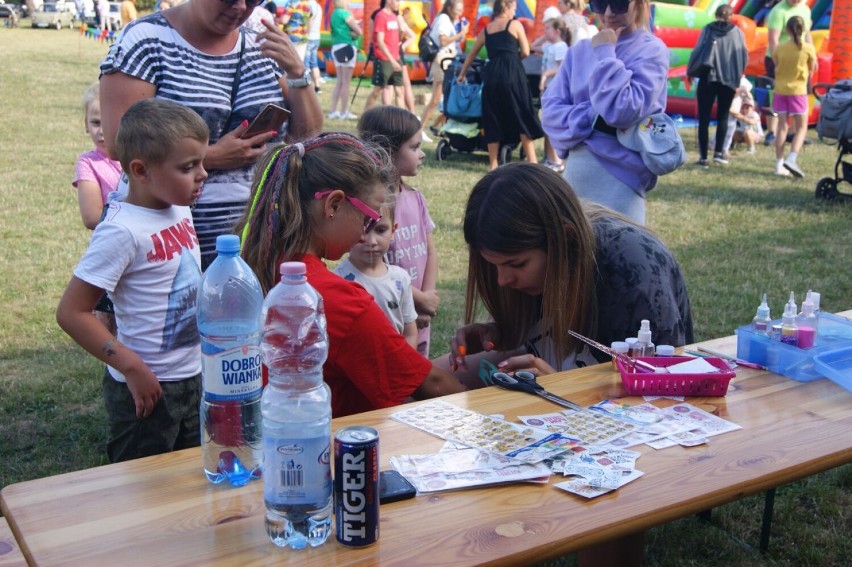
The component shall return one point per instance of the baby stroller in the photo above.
(835, 122)
(463, 131)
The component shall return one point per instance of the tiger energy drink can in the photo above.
(356, 485)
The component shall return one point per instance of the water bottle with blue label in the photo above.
(229, 306)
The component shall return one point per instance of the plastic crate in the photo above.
(836, 365)
(833, 332)
(647, 384)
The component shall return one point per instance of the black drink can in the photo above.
(356, 486)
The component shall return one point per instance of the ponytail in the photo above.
(795, 29)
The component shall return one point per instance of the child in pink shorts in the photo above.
(795, 61)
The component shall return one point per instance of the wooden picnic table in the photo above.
(162, 511)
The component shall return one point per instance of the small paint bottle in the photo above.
(644, 346)
(631, 345)
(789, 330)
(762, 322)
(619, 347)
(807, 324)
(665, 350)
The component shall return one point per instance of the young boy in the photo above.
(389, 285)
(145, 255)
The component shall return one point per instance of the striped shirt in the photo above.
(150, 49)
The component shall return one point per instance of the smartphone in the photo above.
(393, 487)
(270, 118)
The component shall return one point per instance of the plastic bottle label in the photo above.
(297, 471)
(233, 374)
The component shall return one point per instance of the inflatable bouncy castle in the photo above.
(679, 27)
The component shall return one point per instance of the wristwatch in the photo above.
(300, 82)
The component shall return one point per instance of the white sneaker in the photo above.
(348, 116)
(334, 116)
(425, 138)
(793, 168)
(782, 172)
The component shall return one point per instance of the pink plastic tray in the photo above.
(646, 384)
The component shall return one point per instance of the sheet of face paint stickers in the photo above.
(453, 423)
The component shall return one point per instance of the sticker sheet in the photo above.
(592, 428)
(581, 487)
(463, 467)
(453, 423)
(597, 470)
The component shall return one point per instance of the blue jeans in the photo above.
(311, 54)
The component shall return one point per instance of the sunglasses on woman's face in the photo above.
(371, 217)
(615, 6)
(249, 3)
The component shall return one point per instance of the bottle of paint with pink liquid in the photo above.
(807, 324)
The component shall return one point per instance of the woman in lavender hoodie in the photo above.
(613, 80)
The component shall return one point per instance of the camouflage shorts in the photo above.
(173, 424)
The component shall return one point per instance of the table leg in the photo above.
(766, 523)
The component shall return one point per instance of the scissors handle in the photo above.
(515, 383)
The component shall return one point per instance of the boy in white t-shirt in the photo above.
(145, 255)
(390, 285)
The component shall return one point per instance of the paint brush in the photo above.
(638, 365)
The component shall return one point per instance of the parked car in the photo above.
(55, 15)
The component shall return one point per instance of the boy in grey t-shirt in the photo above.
(389, 285)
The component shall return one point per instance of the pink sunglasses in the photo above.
(371, 217)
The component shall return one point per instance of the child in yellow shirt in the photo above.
(794, 61)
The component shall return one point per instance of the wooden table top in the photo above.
(162, 511)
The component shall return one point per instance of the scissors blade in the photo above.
(558, 400)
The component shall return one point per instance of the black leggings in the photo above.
(708, 92)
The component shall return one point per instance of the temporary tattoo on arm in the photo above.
(109, 348)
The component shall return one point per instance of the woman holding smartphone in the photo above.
(614, 80)
(199, 55)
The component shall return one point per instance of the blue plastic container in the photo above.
(836, 365)
(797, 363)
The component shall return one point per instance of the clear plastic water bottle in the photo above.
(229, 305)
(296, 407)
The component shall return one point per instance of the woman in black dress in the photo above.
(507, 108)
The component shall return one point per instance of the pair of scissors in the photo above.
(524, 381)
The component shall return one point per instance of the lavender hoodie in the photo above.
(624, 83)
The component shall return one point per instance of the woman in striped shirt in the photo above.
(199, 55)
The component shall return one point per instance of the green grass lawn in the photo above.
(737, 231)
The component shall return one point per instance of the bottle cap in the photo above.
(665, 350)
(228, 244)
(763, 308)
(631, 340)
(620, 346)
(293, 268)
(814, 296)
(791, 304)
(645, 331)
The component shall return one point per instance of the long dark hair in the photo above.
(520, 207)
